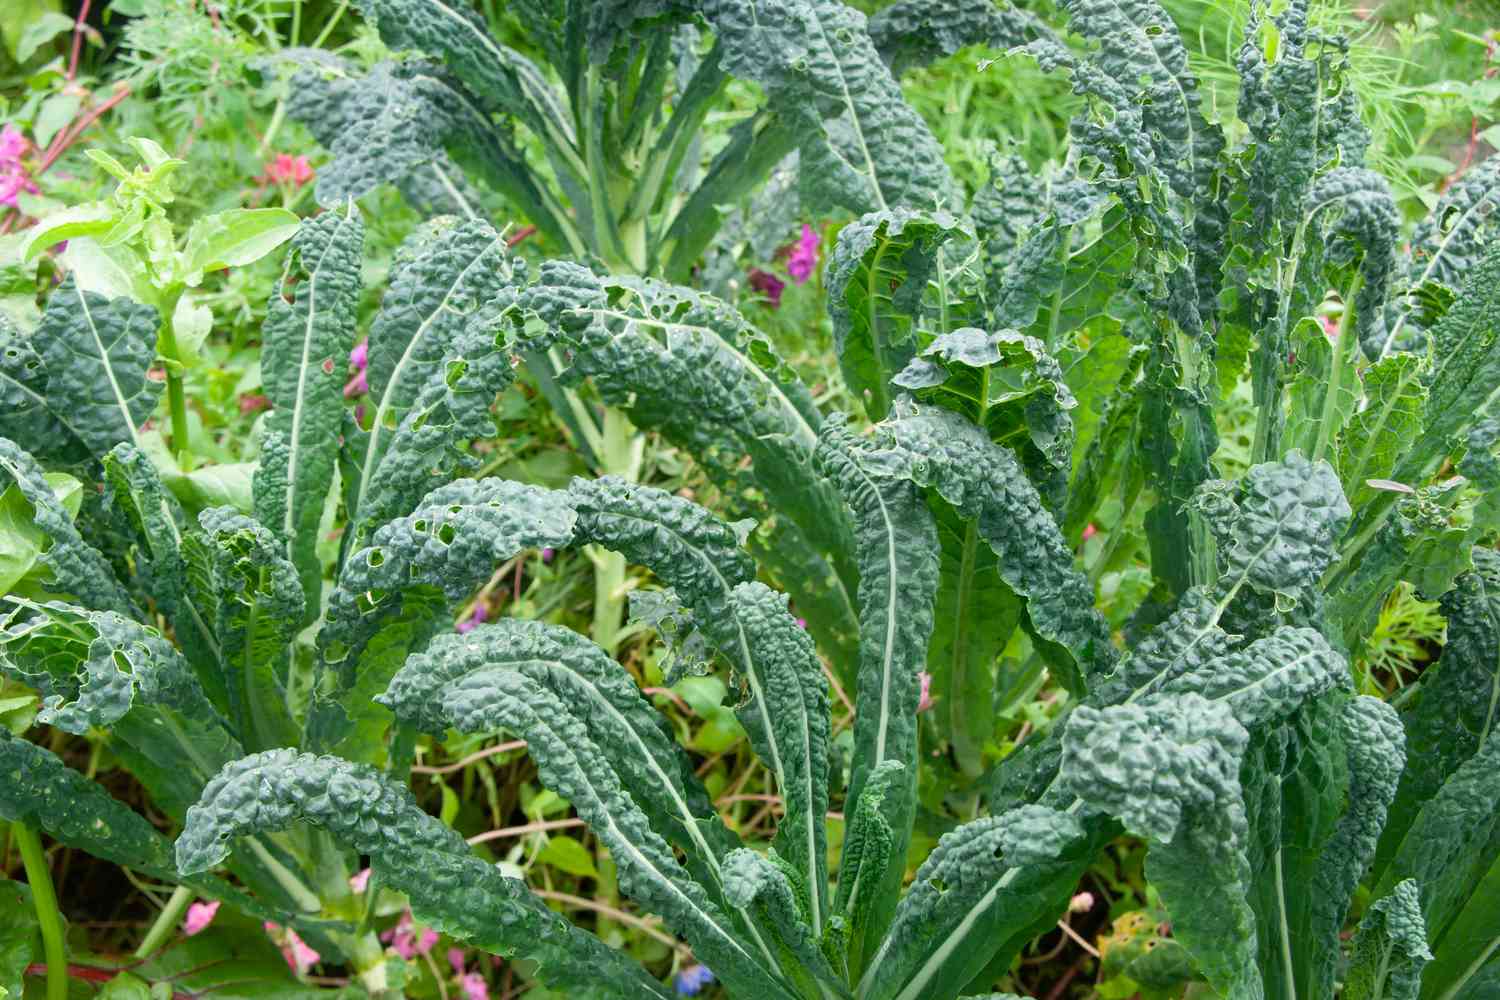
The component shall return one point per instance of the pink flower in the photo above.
(288, 169)
(768, 285)
(804, 258)
(1330, 326)
(1089, 531)
(254, 402)
(299, 957)
(199, 916)
(360, 359)
(474, 987)
(13, 144)
(476, 618)
(456, 959)
(925, 702)
(12, 182)
(408, 943)
(547, 555)
(360, 880)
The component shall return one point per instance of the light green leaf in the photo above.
(47, 26)
(568, 855)
(192, 322)
(21, 538)
(20, 936)
(1390, 948)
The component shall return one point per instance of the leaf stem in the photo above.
(165, 921)
(39, 877)
(1335, 373)
(166, 342)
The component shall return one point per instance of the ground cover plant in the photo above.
(1027, 498)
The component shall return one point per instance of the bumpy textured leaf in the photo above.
(449, 888)
(24, 413)
(952, 456)
(1008, 384)
(912, 33)
(504, 79)
(864, 148)
(785, 711)
(595, 687)
(1461, 386)
(1450, 241)
(449, 545)
(572, 764)
(308, 332)
(429, 444)
(41, 791)
(1366, 224)
(756, 883)
(1456, 714)
(20, 939)
(97, 351)
(383, 128)
(897, 585)
(248, 592)
(870, 862)
(443, 275)
(77, 567)
(690, 366)
(877, 279)
(1390, 948)
(968, 904)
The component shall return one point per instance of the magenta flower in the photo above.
(406, 941)
(13, 144)
(925, 702)
(359, 359)
(199, 916)
(14, 177)
(360, 880)
(288, 169)
(768, 285)
(474, 986)
(804, 259)
(456, 959)
(476, 617)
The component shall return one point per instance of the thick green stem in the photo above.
(621, 455)
(39, 876)
(1336, 373)
(166, 922)
(166, 345)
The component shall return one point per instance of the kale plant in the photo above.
(1049, 352)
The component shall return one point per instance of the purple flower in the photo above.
(768, 285)
(691, 980)
(360, 359)
(476, 617)
(547, 555)
(804, 259)
(13, 144)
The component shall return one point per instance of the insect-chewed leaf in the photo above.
(450, 889)
(97, 352)
(240, 579)
(575, 766)
(77, 567)
(308, 333)
(1454, 716)
(952, 456)
(430, 356)
(1390, 948)
(450, 544)
(865, 148)
(1380, 433)
(877, 278)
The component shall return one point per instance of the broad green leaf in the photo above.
(192, 321)
(20, 937)
(97, 353)
(568, 855)
(877, 280)
(1324, 392)
(1384, 428)
(308, 333)
(234, 238)
(24, 411)
(22, 540)
(94, 218)
(46, 26)
(450, 889)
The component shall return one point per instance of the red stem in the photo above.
(521, 234)
(71, 134)
(78, 29)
